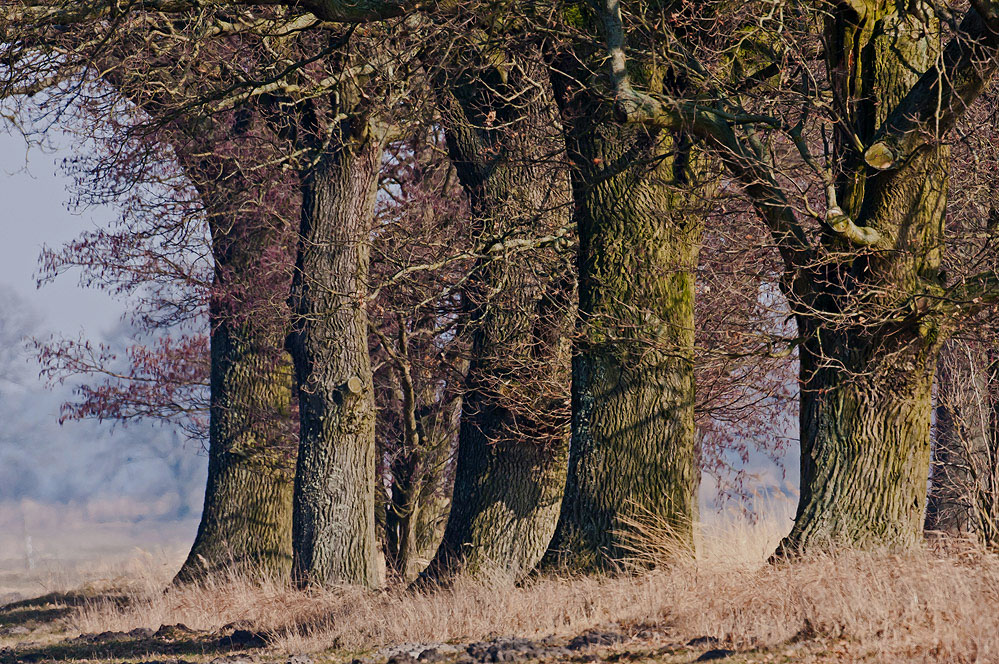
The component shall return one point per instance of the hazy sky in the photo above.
(43, 457)
(33, 197)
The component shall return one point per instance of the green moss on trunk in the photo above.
(868, 362)
(632, 454)
(513, 436)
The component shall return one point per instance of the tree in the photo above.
(504, 138)
(421, 255)
(871, 304)
(343, 127)
(214, 185)
(964, 491)
(861, 244)
(247, 516)
(637, 195)
(334, 528)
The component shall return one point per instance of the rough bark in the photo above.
(964, 494)
(865, 443)
(633, 454)
(513, 438)
(247, 516)
(960, 432)
(246, 521)
(870, 302)
(870, 353)
(418, 504)
(334, 526)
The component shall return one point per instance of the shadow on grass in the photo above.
(51, 607)
(118, 648)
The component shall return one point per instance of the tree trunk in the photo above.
(246, 522)
(986, 480)
(948, 506)
(247, 516)
(513, 440)
(870, 353)
(961, 430)
(865, 442)
(965, 481)
(633, 455)
(866, 388)
(334, 523)
(417, 506)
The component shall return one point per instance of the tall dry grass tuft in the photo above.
(922, 606)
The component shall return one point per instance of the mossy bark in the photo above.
(513, 436)
(334, 522)
(865, 437)
(246, 521)
(870, 353)
(633, 455)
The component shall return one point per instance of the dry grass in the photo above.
(925, 606)
(51, 548)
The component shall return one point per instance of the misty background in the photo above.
(81, 490)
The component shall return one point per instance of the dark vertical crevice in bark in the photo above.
(513, 435)
(334, 527)
(632, 455)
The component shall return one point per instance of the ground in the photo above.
(939, 603)
(36, 631)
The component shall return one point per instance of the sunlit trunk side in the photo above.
(633, 453)
(334, 523)
(868, 362)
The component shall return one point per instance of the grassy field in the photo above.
(46, 548)
(727, 602)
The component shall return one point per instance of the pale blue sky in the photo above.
(33, 197)
(34, 450)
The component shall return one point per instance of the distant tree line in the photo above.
(435, 282)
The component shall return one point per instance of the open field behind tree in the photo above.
(47, 547)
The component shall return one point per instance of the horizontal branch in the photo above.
(715, 126)
(836, 220)
(844, 226)
(489, 251)
(973, 293)
(47, 12)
